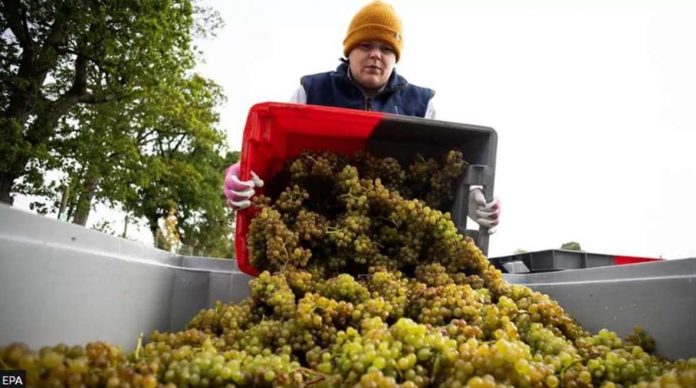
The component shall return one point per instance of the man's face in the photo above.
(371, 64)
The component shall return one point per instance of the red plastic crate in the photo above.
(621, 260)
(276, 132)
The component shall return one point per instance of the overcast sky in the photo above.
(594, 103)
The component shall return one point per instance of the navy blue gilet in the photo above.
(336, 89)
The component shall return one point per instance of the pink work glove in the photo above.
(239, 192)
(485, 214)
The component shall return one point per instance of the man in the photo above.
(366, 80)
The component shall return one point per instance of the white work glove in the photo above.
(239, 192)
(484, 213)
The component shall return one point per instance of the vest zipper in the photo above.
(368, 100)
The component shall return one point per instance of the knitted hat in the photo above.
(375, 21)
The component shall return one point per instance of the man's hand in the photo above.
(239, 192)
(484, 213)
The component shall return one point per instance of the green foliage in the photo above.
(104, 226)
(571, 246)
(103, 92)
(58, 55)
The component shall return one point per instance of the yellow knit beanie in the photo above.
(375, 21)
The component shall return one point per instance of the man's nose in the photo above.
(375, 51)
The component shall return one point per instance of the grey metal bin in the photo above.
(63, 283)
(660, 296)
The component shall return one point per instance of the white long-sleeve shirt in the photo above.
(300, 97)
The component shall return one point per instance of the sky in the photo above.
(594, 103)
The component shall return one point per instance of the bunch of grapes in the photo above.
(364, 222)
(97, 364)
(366, 283)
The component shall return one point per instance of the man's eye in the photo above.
(364, 46)
(387, 49)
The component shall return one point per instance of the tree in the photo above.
(182, 167)
(59, 56)
(158, 153)
(571, 246)
(102, 92)
(188, 178)
(209, 231)
(107, 153)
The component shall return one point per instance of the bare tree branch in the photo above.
(178, 143)
(67, 50)
(79, 86)
(54, 110)
(143, 137)
(95, 99)
(16, 19)
(56, 38)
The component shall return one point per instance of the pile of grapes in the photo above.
(366, 283)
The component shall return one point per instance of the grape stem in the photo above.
(390, 220)
(319, 376)
(349, 194)
(333, 229)
(139, 347)
(436, 369)
(287, 255)
(563, 370)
